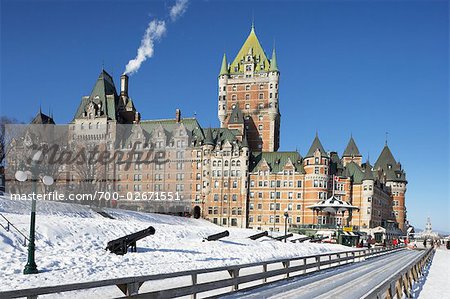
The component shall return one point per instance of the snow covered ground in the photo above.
(437, 282)
(71, 240)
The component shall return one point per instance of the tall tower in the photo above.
(394, 177)
(250, 83)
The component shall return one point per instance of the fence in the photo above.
(402, 281)
(281, 268)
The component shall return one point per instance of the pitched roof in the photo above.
(351, 150)
(42, 119)
(368, 174)
(273, 62)
(209, 140)
(390, 168)
(355, 171)
(224, 67)
(314, 146)
(251, 45)
(104, 92)
(236, 116)
(385, 158)
(276, 160)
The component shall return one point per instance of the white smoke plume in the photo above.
(178, 9)
(154, 32)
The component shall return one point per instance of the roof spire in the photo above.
(386, 140)
(224, 68)
(209, 140)
(273, 62)
(253, 21)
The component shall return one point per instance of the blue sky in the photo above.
(347, 67)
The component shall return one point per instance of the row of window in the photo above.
(247, 87)
(215, 211)
(275, 206)
(277, 184)
(277, 195)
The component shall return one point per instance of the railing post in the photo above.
(234, 274)
(339, 258)
(265, 270)
(194, 282)
(318, 262)
(286, 266)
(304, 264)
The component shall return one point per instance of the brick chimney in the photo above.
(178, 115)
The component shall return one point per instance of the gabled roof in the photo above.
(276, 160)
(251, 45)
(351, 150)
(314, 146)
(236, 116)
(103, 93)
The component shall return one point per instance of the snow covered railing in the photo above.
(402, 281)
(205, 280)
(8, 228)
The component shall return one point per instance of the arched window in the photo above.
(226, 163)
(233, 163)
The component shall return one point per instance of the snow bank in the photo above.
(437, 283)
(71, 239)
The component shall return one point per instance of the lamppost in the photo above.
(286, 217)
(22, 176)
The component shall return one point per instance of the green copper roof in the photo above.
(273, 62)
(251, 45)
(354, 171)
(236, 116)
(368, 175)
(351, 150)
(276, 160)
(314, 146)
(103, 93)
(224, 68)
(209, 140)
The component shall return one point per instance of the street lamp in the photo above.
(22, 176)
(286, 216)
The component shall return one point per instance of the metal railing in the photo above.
(281, 268)
(402, 281)
(8, 226)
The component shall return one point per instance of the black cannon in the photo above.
(259, 235)
(300, 240)
(218, 236)
(281, 238)
(120, 246)
(318, 239)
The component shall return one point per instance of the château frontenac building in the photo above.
(234, 175)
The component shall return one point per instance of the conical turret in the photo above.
(273, 62)
(224, 68)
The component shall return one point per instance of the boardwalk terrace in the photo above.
(232, 175)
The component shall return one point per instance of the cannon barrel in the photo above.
(259, 235)
(300, 240)
(280, 238)
(218, 236)
(120, 245)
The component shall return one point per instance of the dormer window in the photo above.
(389, 166)
(248, 68)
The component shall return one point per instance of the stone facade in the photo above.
(233, 175)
